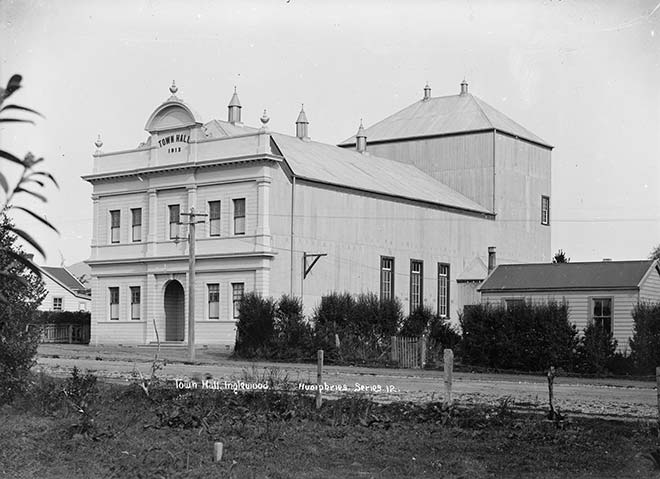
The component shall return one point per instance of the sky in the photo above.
(582, 75)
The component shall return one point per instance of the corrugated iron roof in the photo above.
(339, 166)
(567, 276)
(442, 116)
(219, 129)
(475, 271)
(66, 280)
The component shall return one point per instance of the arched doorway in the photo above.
(174, 311)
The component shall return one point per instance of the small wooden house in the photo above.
(65, 292)
(602, 292)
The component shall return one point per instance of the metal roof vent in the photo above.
(361, 139)
(302, 125)
(464, 87)
(427, 92)
(234, 114)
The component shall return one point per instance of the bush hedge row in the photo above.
(523, 337)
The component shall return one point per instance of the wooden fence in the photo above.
(416, 352)
(65, 333)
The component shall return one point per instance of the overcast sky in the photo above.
(584, 76)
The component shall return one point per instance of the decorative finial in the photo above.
(99, 142)
(234, 88)
(264, 119)
(173, 88)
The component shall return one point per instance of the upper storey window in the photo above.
(545, 210)
(214, 218)
(239, 216)
(174, 221)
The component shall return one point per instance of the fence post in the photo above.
(319, 376)
(551, 383)
(422, 356)
(70, 333)
(657, 387)
(449, 373)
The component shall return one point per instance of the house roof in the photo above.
(475, 271)
(65, 279)
(567, 276)
(445, 115)
(338, 166)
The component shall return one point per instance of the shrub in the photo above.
(21, 292)
(443, 333)
(645, 343)
(529, 337)
(293, 335)
(595, 351)
(417, 322)
(256, 325)
(81, 318)
(362, 324)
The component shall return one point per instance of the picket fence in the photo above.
(65, 333)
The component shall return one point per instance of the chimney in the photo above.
(301, 125)
(492, 261)
(427, 92)
(361, 139)
(464, 87)
(234, 115)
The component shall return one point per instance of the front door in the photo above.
(174, 312)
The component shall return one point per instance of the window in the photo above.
(239, 216)
(214, 301)
(174, 221)
(602, 313)
(416, 284)
(135, 302)
(114, 303)
(136, 215)
(513, 303)
(443, 290)
(82, 307)
(386, 277)
(545, 210)
(237, 291)
(214, 218)
(114, 226)
(57, 304)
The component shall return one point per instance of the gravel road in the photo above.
(602, 397)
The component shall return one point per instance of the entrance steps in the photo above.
(165, 344)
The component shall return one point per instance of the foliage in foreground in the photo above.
(23, 291)
(280, 434)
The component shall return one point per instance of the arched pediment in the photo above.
(172, 115)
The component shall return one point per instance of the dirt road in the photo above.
(606, 397)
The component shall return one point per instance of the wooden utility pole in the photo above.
(191, 279)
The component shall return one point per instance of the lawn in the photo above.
(82, 429)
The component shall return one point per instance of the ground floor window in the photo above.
(386, 278)
(443, 290)
(416, 284)
(214, 300)
(114, 303)
(57, 304)
(135, 302)
(513, 303)
(602, 313)
(237, 291)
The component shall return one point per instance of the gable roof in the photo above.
(567, 276)
(338, 166)
(475, 271)
(442, 116)
(66, 280)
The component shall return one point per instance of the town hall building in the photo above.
(415, 206)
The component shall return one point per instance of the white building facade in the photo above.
(384, 226)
